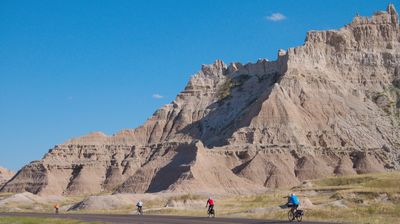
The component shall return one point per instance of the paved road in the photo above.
(149, 219)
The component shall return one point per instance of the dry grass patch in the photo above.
(29, 220)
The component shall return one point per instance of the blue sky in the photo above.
(72, 67)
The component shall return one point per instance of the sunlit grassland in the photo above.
(29, 220)
(367, 198)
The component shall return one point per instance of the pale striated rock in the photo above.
(270, 170)
(27, 201)
(106, 202)
(5, 175)
(329, 107)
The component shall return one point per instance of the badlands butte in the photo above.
(329, 107)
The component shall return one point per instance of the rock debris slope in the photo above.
(329, 107)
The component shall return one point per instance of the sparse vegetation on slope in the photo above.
(225, 89)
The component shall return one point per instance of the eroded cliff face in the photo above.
(329, 107)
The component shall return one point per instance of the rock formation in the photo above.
(5, 175)
(329, 107)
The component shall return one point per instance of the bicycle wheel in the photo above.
(290, 216)
(299, 218)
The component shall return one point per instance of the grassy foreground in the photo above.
(369, 198)
(29, 220)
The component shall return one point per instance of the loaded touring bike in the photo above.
(295, 214)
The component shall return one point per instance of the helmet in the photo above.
(292, 194)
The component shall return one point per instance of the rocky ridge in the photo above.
(329, 107)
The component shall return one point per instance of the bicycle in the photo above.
(211, 213)
(140, 210)
(295, 214)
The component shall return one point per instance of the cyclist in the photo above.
(139, 206)
(293, 202)
(56, 208)
(210, 202)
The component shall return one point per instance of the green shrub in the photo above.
(225, 89)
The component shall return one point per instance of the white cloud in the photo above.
(157, 96)
(275, 17)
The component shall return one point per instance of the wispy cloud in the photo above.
(275, 17)
(157, 96)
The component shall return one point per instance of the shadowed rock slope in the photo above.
(329, 107)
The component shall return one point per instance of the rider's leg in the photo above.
(291, 206)
(292, 210)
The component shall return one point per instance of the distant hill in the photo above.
(5, 175)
